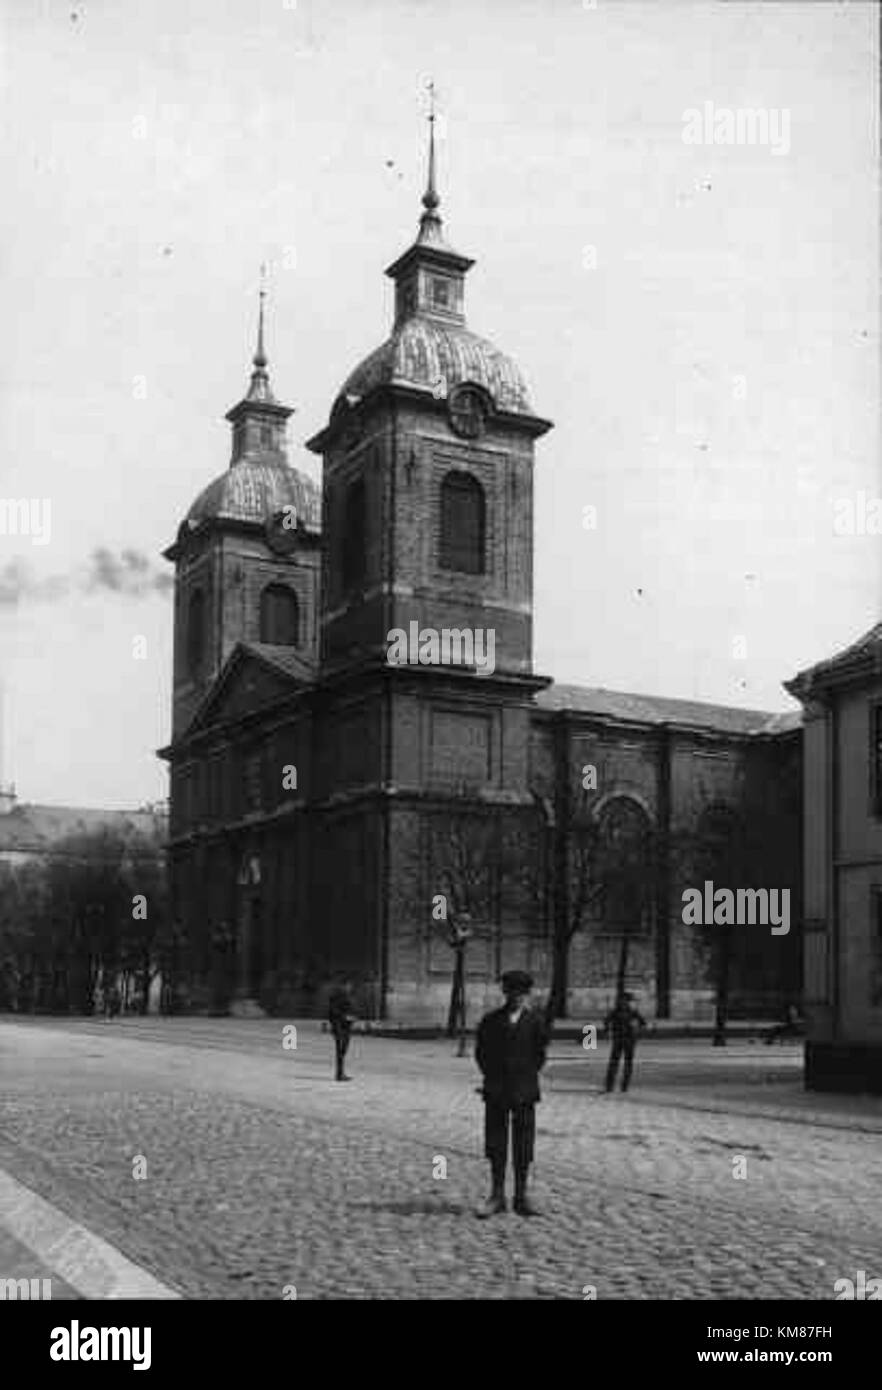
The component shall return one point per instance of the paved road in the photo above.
(263, 1175)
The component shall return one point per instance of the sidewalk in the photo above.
(570, 1030)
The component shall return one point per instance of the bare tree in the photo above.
(466, 853)
(720, 849)
(611, 869)
(488, 864)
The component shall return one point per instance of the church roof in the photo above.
(289, 660)
(860, 658)
(655, 709)
(430, 348)
(425, 352)
(255, 489)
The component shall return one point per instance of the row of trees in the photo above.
(92, 917)
(612, 867)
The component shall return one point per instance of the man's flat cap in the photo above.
(517, 980)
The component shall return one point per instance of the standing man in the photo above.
(510, 1052)
(341, 1019)
(622, 1022)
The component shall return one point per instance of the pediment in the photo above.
(254, 678)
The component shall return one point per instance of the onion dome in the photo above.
(259, 486)
(430, 349)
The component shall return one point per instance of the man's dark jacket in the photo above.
(511, 1057)
(340, 1011)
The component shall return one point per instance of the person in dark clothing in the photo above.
(510, 1051)
(341, 1019)
(112, 1002)
(622, 1022)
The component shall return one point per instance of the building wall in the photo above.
(858, 872)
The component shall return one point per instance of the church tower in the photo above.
(428, 519)
(247, 555)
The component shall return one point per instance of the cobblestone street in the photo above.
(262, 1173)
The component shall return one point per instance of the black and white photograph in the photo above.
(440, 669)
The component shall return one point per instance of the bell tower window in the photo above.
(196, 634)
(353, 549)
(279, 616)
(266, 436)
(463, 526)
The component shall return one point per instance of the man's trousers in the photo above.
(341, 1045)
(497, 1117)
(620, 1046)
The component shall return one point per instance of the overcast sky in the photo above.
(700, 321)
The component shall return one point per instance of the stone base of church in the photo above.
(427, 1005)
(854, 1068)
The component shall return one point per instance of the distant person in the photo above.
(622, 1022)
(112, 1002)
(341, 1019)
(510, 1051)
(792, 1027)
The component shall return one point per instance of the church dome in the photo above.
(425, 352)
(255, 489)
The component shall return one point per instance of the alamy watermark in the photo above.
(745, 907)
(77, 1343)
(721, 125)
(452, 646)
(860, 515)
(23, 517)
(861, 1288)
(26, 1289)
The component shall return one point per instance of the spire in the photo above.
(260, 355)
(259, 420)
(429, 275)
(430, 222)
(260, 389)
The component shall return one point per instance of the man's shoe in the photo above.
(344, 1078)
(493, 1206)
(524, 1207)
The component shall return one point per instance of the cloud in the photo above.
(129, 573)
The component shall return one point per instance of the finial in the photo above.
(430, 197)
(260, 389)
(259, 358)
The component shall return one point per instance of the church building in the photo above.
(334, 810)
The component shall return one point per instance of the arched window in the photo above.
(196, 634)
(625, 856)
(353, 546)
(279, 616)
(462, 524)
(719, 848)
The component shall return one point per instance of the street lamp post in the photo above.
(460, 932)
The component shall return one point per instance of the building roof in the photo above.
(257, 489)
(32, 829)
(860, 658)
(654, 709)
(290, 660)
(426, 353)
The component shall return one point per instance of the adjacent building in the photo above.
(842, 703)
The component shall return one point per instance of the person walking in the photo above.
(622, 1022)
(341, 1019)
(510, 1051)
